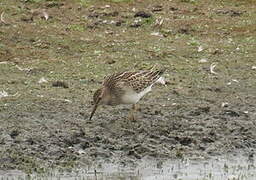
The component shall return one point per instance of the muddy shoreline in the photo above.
(58, 139)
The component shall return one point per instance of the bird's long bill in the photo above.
(94, 108)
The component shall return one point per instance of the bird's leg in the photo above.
(133, 110)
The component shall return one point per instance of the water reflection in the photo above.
(228, 167)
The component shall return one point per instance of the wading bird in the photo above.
(126, 88)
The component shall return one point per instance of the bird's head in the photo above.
(97, 97)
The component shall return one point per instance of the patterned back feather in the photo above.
(138, 81)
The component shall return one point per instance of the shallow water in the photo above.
(228, 167)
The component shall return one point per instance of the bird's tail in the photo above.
(161, 71)
(160, 78)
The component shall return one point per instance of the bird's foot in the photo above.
(132, 118)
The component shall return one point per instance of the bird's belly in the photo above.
(132, 97)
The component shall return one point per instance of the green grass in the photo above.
(77, 27)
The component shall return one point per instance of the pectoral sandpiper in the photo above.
(126, 88)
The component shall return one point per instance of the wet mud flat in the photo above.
(54, 138)
(234, 166)
(50, 66)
